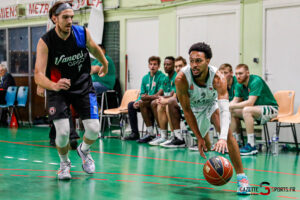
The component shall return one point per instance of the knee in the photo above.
(62, 128)
(247, 111)
(130, 105)
(154, 104)
(92, 128)
(142, 104)
(172, 102)
(161, 108)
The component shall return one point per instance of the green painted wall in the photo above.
(252, 35)
(250, 31)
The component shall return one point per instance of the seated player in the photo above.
(158, 108)
(253, 100)
(150, 90)
(172, 109)
(227, 71)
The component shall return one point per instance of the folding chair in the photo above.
(285, 101)
(10, 97)
(121, 111)
(22, 100)
(104, 104)
(291, 120)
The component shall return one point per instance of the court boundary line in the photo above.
(126, 155)
(163, 184)
(127, 174)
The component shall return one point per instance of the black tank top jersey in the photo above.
(67, 60)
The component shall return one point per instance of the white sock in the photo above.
(236, 136)
(172, 133)
(64, 158)
(251, 138)
(150, 130)
(163, 133)
(178, 134)
(85, 147)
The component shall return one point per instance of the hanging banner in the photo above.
(96, 22)
(38, 9)
(8, 12)
(42, 8)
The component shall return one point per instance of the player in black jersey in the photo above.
(63, 69)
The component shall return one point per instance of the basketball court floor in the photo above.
(127, 170)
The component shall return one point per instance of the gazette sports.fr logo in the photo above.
(265, 189)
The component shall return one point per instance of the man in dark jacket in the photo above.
(6, 80)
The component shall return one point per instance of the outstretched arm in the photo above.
(97, 52)
(183, 97)
(220, 84)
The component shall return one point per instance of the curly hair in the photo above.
(170, 58)
(202, 47)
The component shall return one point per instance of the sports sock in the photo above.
(172, 133)
(85, 147)
(251, 138)
(178, 134)
(150, 130)
(163, 133)
(64, 158)
(236, 136)
(241, 174)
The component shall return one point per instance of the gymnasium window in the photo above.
(18, 50)
(36, 34)
(111, 41)
(2, 45)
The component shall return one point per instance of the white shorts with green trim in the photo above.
(268, 113)
(203, 118)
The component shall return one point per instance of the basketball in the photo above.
(217, 170)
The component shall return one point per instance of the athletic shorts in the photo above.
(268, 113)
(85, 105)
(203, 119)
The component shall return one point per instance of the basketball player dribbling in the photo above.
(203, 97)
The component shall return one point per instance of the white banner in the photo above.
(96, 23)
(9, 12)
(37, 9)
(41, 8)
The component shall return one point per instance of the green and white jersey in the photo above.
(203, 99)
(169, 84)
(256, 87)
(201, 96)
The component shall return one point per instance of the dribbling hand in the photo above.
(221, 146)
(202, 147)
(62, 84)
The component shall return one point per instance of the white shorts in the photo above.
(268, 113)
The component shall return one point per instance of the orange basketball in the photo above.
(217, 170)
